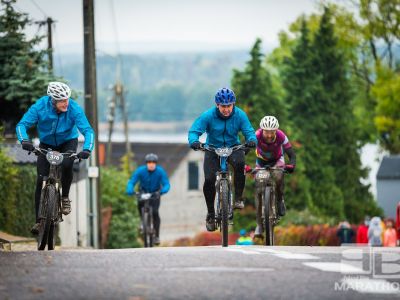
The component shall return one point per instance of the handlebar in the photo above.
(146, 196)
(255, 170)
(41, 151)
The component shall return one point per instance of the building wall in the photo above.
(388, 195)
(183, 212)
(74, 229)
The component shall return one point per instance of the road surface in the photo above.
(252, 272)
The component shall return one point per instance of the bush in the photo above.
(25, 201)
(8, 190)
(123, 231)
(17, 186)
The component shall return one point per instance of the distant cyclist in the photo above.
(152, 179)
(58, 119)
(222, 125)
(271, 147)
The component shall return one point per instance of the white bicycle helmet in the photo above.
(58, 91)
(269, 123)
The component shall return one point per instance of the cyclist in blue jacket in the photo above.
(222, 125)
(58, 119)
(152, 179)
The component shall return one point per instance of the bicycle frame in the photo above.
(266, 184)
(50, 214)
(223, 185)
(147, 212)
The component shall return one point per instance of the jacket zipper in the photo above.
(55, 130)
(223, 134)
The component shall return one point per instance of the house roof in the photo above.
(389, 168)
(170, 154)
(18, 155)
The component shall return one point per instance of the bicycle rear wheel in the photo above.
(47, 207)
(224, 198)
(268, 218)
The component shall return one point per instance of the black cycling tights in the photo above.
(43, 168)
(155, 204)
(211, 166)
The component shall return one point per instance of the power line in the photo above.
(39, 8)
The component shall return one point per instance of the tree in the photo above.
(254, 88)
(23, 69)
(303, 89)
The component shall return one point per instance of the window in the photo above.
(193, 170)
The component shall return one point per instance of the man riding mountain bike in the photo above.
(153, 179)
(272, 144)
(58, 119)
(222, 125)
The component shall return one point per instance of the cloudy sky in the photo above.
(170, 23)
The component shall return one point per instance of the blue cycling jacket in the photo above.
(222, 132)
(150, 181)
(56, 128)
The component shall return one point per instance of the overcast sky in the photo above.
(218, 23)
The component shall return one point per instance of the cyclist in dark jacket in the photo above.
(58, 119)
(153, 179)
(222, 125)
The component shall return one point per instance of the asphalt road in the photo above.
(252, 272)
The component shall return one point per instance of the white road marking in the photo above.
(335, 267)
(219, 269)
(367, 285)
(289, 255)
(247, 251)
(278, 253)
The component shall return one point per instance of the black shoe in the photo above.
(210, 222)
(239, 204)
(156, 240)
(258, 232)
(35, 229)
(281, 208)
(66, 205)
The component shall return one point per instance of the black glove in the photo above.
(195, 145)
(84, 154)
(28, 146)
(251, 144)
(156, 194)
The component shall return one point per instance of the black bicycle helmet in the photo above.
(151, 157)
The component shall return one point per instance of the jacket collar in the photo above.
(221, 116)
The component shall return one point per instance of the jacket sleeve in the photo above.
(84, 127)
(247, 129)
(198, 127)
(292, 155)
(164, 183)
(130, 187)
(29, 119)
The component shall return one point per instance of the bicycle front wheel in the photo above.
(52, 237)
(47, 208)
(224, 198)
(268, 217)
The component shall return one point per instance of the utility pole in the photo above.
(117, 101)
(49, 21)
(91, 113)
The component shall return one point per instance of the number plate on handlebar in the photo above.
(262, 174)
(224, 152)
(54, 157)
